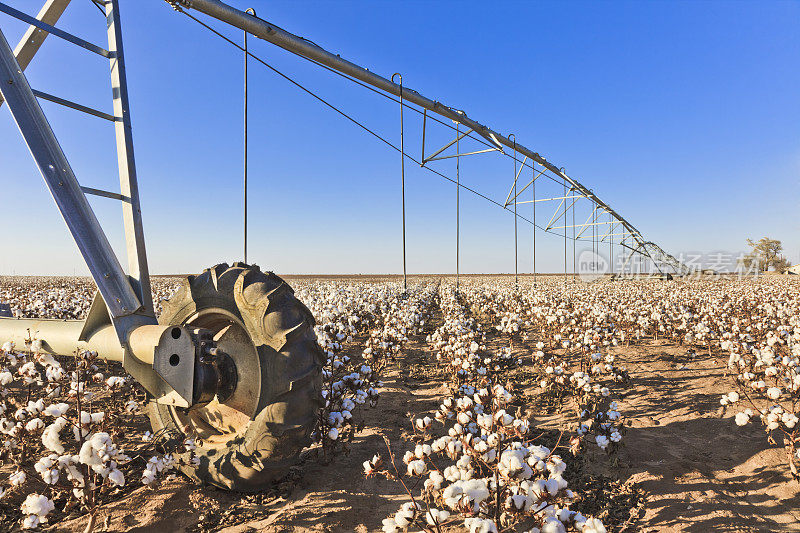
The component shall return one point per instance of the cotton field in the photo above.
(557, 405)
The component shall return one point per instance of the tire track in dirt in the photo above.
(702, 472)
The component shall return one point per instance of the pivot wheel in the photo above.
(256, 432)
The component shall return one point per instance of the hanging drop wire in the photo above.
(554, 179)
(565, 232)
(402, 180)
(246, 55)
(574, 277)
(611, 244)
(516, 272)
(595, 248)
(458, 204)
(533, 189)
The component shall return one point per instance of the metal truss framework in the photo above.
(124, 300)
(615, 226)
(494, 141)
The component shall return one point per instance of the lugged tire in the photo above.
(253, 448)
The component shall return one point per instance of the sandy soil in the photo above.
(699, 471)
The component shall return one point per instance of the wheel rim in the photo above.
(217, 423)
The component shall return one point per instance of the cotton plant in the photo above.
(766, 371)
(484, 474)
(61, 297)
(351, 382)
(599, 419)
(56, 437)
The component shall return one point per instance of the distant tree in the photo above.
(781, 265)
(765, 255)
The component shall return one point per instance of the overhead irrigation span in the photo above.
(614, 224)
(601, 226)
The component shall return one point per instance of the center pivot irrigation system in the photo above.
(232, 358)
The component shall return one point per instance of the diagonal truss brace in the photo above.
(60, 179)
(435, 156)
(34, 36)
(510, 200)
(555, 218)
(40, 139)
(514, 185)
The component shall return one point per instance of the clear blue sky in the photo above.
(684, 116)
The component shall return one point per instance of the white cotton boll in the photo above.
(116, 477)
(132, 406)
(464, 462)
(733, 397)
(564, 515)
(51, 436)
(54, 372)
(333, 433)
(17, 478)
(552, 486)
(115, 381)
(403, 517)
(34, 424)
(434, 481)
(480, 525)
(553, 525)
(37, 505)
(148, 476)
(389, 526)
(519, 502)
(773, 393)
(422, 450)
(593, 525)
(435, 516)
(422, 423)
(440, 444)
(742, 419)
(521, 425)
(56, 409)
(503, 418)
(369, 468)
(50, 476)
(602, 441)
(6, 377)
(335, 419)
(452, 473)
(416, 467)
